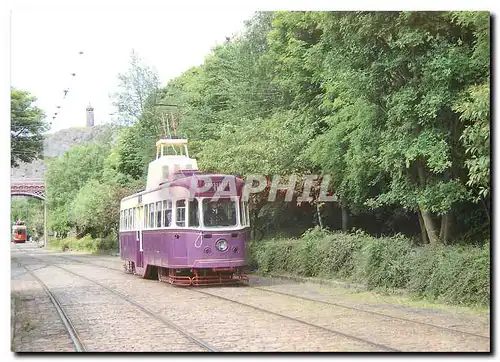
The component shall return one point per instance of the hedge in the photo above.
(449, 274)
(86, 243)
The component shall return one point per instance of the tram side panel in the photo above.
(129, 246)
(165, 248)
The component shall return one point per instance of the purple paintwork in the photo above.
(183, 248)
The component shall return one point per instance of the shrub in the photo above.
(451, 274)
(86, 243)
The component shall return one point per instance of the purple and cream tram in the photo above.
(185, 228)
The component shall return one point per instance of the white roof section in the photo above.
(172, 142)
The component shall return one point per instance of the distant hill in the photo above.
(55, 144)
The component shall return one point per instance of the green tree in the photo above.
(66, 175)
(27, 128)
(137, 86)
(96, 209)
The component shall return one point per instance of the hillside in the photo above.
(55, 144)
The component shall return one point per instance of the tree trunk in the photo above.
(423, 232)
(345, 218)
(446, 227)
(486, 209)
(319, 215)
(430, 227)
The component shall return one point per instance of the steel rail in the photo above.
(362, 340)
(172, 325)
(73, 334)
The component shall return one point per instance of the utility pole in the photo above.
(45, 236)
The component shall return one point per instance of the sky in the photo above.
(45, 47)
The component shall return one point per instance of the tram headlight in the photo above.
(221, 245)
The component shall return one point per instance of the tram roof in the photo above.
(172, 142)
(185, 179)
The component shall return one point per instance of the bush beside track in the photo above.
(108, 244)
(455, 274)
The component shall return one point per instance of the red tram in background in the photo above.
(19, 232)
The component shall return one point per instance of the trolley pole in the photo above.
(45, 236)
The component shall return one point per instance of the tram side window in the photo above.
(180, 207)
(193, 213)
(146, 214)
(130, 219)
(167, 213)
(134, 212)
(121, 220)
(126, 219)
(158, 215)
(151, 215)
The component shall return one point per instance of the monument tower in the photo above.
(90, 116)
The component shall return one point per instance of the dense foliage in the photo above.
(393, 106)
(26, 129)
(451, 274)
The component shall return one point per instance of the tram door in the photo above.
(140, 227)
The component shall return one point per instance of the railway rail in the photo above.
(362, 340)
(443, 328)
(68, 325)
(172, 325)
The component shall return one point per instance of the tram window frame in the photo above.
(244, 213)
(179, 223)
(167, 206)
(193, 210)
(134, 218)
(158, 214)
(151, 224)
(206, 201)
(121, 220)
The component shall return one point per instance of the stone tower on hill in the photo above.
(90, 116)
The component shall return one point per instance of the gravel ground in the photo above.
(106, 322)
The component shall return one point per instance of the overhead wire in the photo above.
(69, 85)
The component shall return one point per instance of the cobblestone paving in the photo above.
(402, 335)
(224, 325)
(219, 323)
(37, 326)
(478, 323)
(104, 321)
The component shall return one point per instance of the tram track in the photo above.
(68, 324)
(379, 314)
(146, 310)
(349, 336)
(372, 312)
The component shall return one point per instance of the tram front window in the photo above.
(219, 213)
